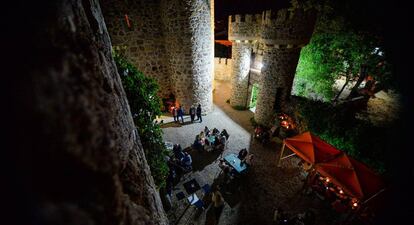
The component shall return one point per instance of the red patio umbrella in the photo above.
(356, 179)
(311, 148)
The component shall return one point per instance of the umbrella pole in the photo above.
(379, 192)
(281, 153)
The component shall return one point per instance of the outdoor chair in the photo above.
(199, 204)
(206, 188)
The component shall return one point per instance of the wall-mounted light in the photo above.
(260, 66)
(128, 22)
(237, 41)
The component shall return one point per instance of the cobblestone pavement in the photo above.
(260, 192)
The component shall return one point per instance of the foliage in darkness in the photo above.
(339, 48)
(338, 126)
(145, 106)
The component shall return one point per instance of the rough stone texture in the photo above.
(276, 82)
(244, 27)
(171, 41)
(187, 28)
(241, 55)
(269, 35)
(80, 158)
(222, 69)
(287, 28)
(143, 44)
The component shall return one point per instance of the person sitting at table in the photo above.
(197, 143)
(187, 162)
(215, 131)
(248, 159)
(223, 140)
(227, 170)
(202, 135)
(178, 151)
(206, 131)
(224, 133)
(217, 142)
(242, 154)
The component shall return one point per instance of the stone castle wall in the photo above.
(275, 82)
(187, 29)
(169, 40)
(241, 55)
(222, 68)
(283, 34)
(285, 27)
(143, 43)
(244, 27)
(81, 161)
(275, 37)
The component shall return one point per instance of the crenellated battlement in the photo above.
(244, 27)
(287, 28)
(283, 28)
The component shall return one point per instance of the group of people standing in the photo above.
(179, 112)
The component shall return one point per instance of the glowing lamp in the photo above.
(127, 21)
(340, 191)
(355, 204)
(327, 179)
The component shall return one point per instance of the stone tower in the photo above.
(169, 40)
(244, 31)
(188, 35)
(283, 34)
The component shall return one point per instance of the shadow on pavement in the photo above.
(203, 158)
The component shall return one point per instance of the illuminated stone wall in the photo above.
(169, 40)
(244, 31)
(222, 68)
(143, 43)
(275, 37)
(283, 34)
(187, 29)
(241, 55)
(276, 79)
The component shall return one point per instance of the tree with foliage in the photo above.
(339, 49)
(145, 106)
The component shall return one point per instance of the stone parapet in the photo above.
(283, 27)
(244, 27)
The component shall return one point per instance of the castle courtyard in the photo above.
(265, 188)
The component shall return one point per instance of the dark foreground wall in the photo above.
(75, 157)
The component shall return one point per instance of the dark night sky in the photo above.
(224, 8)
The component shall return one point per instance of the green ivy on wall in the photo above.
(145, 106)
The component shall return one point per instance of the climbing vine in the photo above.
(145, 106)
